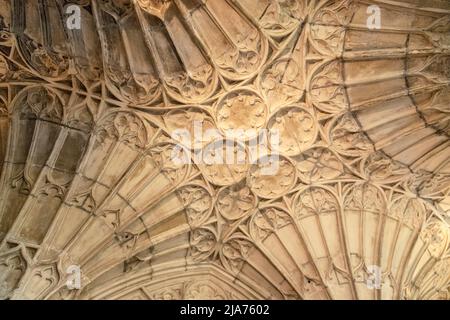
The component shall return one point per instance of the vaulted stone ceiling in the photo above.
(87, 123)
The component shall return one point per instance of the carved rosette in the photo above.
(241, 114)
(296, 129)
(236, 201)
(224, 162)
(272, 178)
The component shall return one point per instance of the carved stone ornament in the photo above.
(225, 149)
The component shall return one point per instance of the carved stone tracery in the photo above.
(91, 118)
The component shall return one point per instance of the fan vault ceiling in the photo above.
(87, 122)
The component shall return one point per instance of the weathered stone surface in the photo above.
(90, 121)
